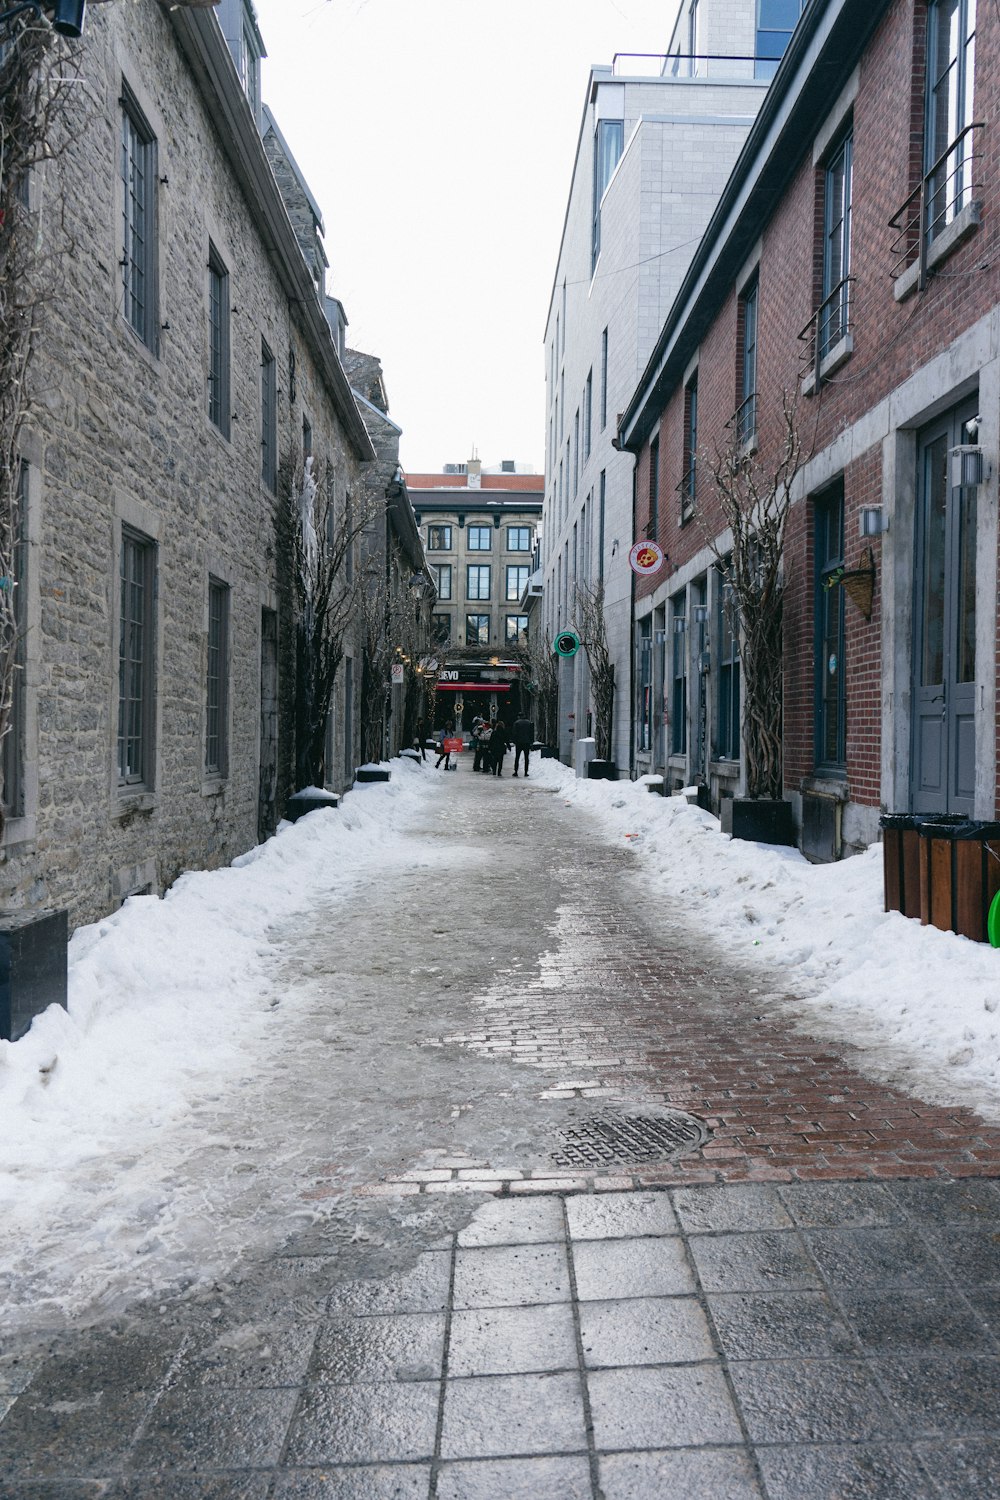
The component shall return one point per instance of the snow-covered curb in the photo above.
(927, 999)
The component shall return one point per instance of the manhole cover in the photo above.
(605, 1140)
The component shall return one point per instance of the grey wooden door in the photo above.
(267, 812)
(944, 658)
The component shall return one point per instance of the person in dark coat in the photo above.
(498, 747)
(524, 737)
(445, 755)
(421, 736)
(480, 739)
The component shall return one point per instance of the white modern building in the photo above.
(658, 139)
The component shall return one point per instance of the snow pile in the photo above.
(928, 1000)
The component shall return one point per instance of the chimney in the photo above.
(473, 470)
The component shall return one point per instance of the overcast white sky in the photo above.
(438, 137)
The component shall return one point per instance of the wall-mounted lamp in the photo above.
(873, 521)
(67, 19)
(966, 466)
(700, 614)
(680, 624)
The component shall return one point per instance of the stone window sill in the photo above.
(213, 786)
(964, 224)
(839, 354)
(832, 784)
(133, 802)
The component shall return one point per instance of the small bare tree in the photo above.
(328, 589)
(540, 670)
(755, 499)
(594, 639)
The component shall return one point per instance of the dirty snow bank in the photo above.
(923, 1003)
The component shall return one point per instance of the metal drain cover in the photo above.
(605, 1140)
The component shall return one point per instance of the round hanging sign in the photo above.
(646, 557)
(566, 643)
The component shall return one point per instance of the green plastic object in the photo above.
(993, 922)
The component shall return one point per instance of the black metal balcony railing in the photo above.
(831, 322)
(686, 491)
(743, 421)
(944, 191)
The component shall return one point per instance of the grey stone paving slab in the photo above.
(892, 1257)
(516, 1479)
(644, 1331)
(920, 1322)
(972, 1254)
(513, 1276)
(735, 1207)
(214, 1429)
(363, 1424)
(705, 1474)
(422, 1288)
(668, 1407)
(754, 1263)
(967, 1203)
(811, 1401)
(370, 1482)
(512, 1340)
(963, 1471)
(379, 1347)
(841, 1205)
(515, 1221)
(254, 1354)
(104, 1360)
(511, 1415)
(70, 1438)
(56, 1489)
(858, 1471)
(655, 1267)
(620, 1215)
(169, 1485)
(767, 1325)
(945, 1396)
(985, 1303)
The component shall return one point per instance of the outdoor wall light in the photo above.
(69, 17)
(701, 614)
(966, 466)
(873, 521)
(680, 624)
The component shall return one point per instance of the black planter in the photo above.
(32, 969)
(547, 752)
(368, 776)
(602, 770)
(298, 805)
(763, 821)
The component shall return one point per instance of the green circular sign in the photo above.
(566, 643)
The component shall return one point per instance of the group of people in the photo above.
(491, 742)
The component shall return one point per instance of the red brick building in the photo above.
(852, 264)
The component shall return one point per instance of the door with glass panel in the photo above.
(944, 657)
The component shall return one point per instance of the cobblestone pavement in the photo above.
(570, 1232)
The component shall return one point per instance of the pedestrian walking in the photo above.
(421, 736)
(498, 747)
(524, 737)
(445, 755)
(480, 739)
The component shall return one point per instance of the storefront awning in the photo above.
(473, 687)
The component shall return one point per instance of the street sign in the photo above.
(397, 673)
(566, 643)
(646, 557)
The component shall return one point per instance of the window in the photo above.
(138, 244)
(835, 307)
(441, 573)
(653, 528)
(679, 678)
(517, 581)
(951, 57)
(249, 67)
(12, 744)
(217, 699)
(516, 629)
(349, 718)
(268, 418)
(477, 630)
(588, 414)
(218, 342)
(137, 572)
(440, 629)
(728, 726)
(746, 412)
(477, 581)
(644, 678)
(576, 452)
(602, 498)
(352, 541)
(480, 538)
(776, 20)
(439, 538)
(518, 538)
(604, 379)
(307, 439)
(828, 523)
(688, 485)
(609, 142)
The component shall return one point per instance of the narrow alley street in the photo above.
(533, 1192)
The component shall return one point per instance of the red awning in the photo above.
(473, 687)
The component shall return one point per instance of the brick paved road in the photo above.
(470, 1318)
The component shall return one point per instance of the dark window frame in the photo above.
(470, 629)
(478, 569)
(136, 661)
(520, 624)
(268, 418)
(219, 356)
(829, 706)
(523, 572)
(139, 242)
(217, 680)
(442, 579)
(514, 535)
(474, 539)
(434, 532)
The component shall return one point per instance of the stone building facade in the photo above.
(185, 372)
(851, 265)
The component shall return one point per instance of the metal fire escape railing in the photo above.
(943, 192)
(831, 322)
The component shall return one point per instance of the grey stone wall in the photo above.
(121, 436)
